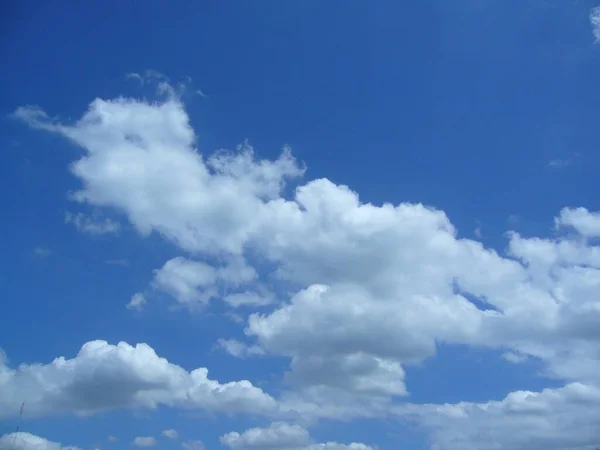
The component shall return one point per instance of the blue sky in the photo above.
(398, 247)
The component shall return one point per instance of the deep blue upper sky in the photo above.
(486, 109)
(472, 94)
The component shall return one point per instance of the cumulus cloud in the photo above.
(372, 287)
(171, 434)
(281, 436)
(28, 441)
(145, 441)
(91, 225)
(141, 160)
(586, 223)
(187, 281)
(193, 283)
(554, 419)
(104, 376)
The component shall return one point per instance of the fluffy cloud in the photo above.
(141, 160)
(193, 283)
(585, 222)
(281, 436)
(27, 441)
(187, 281)
(145, 441)
(554, 419)
(104, 376)
(373, 286)
(398, 280)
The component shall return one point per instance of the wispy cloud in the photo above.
(595, 21)
(118, 262)
(134, 76)
(137, 302)
(141, 441)
(514, 357)
(147, 76)
(171, 434)
(560, 163)
(36, 118)
(42, 252)
(193, 445)
(239, 349)
(163, 84)
(91, 225)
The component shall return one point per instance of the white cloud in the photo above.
(134, 76)
(586, 223)
(91, 225)
(171, 434)
(514, 358)
(236, 272)
(112, 438)
(357, 347)
(278, 435)
(373, 286)
(189, 282)
(141, 160)
(36, 118)
(145, 441)
(193, 445)
(195, 283)
(104, 376)
(281, 436)
(239, 349)
(28, 441)
(595, 21)
(554, 419)
(137, 302)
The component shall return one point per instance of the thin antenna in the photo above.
(18, 425)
